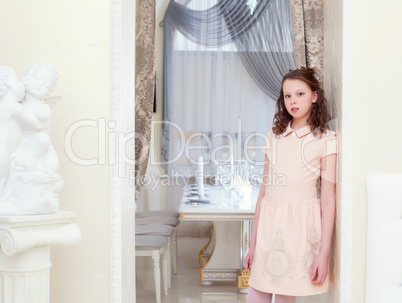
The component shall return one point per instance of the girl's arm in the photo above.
(328, 180)
(253, 241)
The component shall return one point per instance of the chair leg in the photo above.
(174, 252)
(169, 264)
(157, 274)
(165, 272)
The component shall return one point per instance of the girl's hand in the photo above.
(320, 269)
(249, 259)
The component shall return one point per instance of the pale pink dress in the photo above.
(289, 228)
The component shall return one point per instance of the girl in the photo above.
(293, 223)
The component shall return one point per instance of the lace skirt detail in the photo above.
(288, 241)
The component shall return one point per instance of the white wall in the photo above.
(377, 108)
(74, 37)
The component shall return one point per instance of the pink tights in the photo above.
(256, 296)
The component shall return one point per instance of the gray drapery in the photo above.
(264, 39)
(264, 42)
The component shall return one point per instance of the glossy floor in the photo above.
(186, 286)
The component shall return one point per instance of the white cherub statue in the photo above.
(33, 182)
(14, 118)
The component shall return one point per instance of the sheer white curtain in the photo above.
(218, 108)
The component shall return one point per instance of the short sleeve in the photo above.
(330, 143)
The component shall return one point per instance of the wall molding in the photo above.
(347, 156)
(115, 191)
(121, 152)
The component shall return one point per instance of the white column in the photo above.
(25, 253)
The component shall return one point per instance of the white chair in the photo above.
(158, 213)
(384, 238)
(155, 247)
(171, 221)
(157, 220)
(165, 231)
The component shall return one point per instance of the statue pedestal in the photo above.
(25, 253)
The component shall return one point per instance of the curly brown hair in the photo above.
(319, 115)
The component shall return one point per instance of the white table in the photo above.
(223, 257)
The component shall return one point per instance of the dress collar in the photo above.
(300, 132)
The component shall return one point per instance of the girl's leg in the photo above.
(284, 299)
(256, 296)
